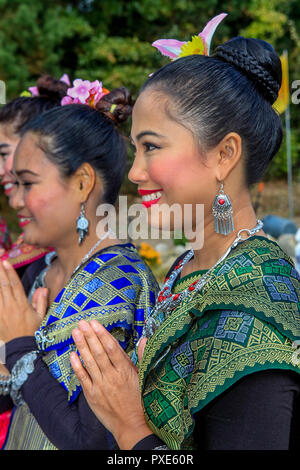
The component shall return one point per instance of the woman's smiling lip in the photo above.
(7, 187)
(143, 192)
(150, 196)
(24, 220)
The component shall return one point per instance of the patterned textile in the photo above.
(25, 433)
(247, 319)
(115, 287)
(5, 240)
(20, 254)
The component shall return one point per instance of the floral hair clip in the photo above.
(198, 45)
(34, 91)
(84, 92)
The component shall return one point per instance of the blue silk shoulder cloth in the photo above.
(117, 288)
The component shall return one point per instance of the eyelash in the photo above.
(147, 146)
(17, 183)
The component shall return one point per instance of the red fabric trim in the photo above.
(4, 425)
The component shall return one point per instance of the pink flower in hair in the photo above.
(65, 78)
(80, 90)
(84, 92)
(96, 92)
(34, 90)
(66, 100)
(198, 45)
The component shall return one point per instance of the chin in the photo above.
(29, 239)
(165, 219)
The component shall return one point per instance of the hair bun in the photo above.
(257, 60)
(50, 87)
(116, 105)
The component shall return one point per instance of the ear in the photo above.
(229, 154)
(84, 181)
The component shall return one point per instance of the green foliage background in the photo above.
(110, 40)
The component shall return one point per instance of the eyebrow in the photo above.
(21, 172)
(4, 146)
(143, 133)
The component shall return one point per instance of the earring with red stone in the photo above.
(223, 213)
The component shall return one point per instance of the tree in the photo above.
(110, 40)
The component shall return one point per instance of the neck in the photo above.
(215, 245)
(70, 255)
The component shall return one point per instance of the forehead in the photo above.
(7, 135)
(149, 107)
(30, 156)
(154, 112)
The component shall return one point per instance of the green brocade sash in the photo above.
(246, 319)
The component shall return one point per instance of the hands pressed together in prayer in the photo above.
(17, 316)
(108, 378)
(110, 383)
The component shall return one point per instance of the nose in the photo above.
(16, 199)
(138, 172)
(2, 168)
(9, 164)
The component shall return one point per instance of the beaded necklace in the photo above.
(167, 301)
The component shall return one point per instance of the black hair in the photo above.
(231, 91)
(76, 133)
(19, 111)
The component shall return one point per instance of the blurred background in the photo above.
(110, 40)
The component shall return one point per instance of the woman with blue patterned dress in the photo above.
(218, 362)
(69, 160)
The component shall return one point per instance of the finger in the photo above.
(114, 351)
(85, 354)
(81, 373)
(96, 349)
(5, 286)
(15, 283)
(40, 301)
(141, 348)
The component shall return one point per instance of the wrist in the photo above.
(127, 437)
(16, 348)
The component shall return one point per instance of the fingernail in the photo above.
(76, 333)
(96, 325)
(83, 325)
(6, 264)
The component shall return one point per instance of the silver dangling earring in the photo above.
(82, 225)
(223, 213)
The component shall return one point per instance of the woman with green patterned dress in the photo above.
(218, 365)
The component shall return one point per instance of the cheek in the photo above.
(44, 204)
(160, 172)
(36, 205)
(181, 172)
(9, 164)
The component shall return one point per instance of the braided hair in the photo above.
(266, 78)
(230, 91)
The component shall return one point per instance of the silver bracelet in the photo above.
(5, 383)
(19, 374)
